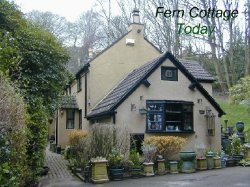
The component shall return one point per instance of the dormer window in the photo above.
(169, 73)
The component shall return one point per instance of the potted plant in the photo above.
(135, 165)
(188, 158)
(247, 151)
(115, 163)
(173, 167)
(201, 163)
(217, 160)
(210, 159)
(236, 149)
(149, 151)
(161, 169)
(99, 170)
(201, 160)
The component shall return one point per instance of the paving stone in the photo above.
(59, 172)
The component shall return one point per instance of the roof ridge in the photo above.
(133, 80)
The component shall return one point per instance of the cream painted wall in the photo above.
(113, 65)
(208, 87)
(63, 139)
(169, 90)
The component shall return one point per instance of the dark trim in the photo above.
(82, 70)
(80, 119)
(57, 116)
(135, 24)
(174, 72)
(146, 83)
(205, 80)
(101, 115)
(86, 94)
(114, 118)
(192, 86)
(67, 119)
(181, 67)
(170, 132)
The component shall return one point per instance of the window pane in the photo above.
(70, 114)
(70, 124)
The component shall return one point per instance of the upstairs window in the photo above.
(169, 73)
(79, 84)
(70, 119)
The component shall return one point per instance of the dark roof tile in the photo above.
(127, 85)
(197, 70)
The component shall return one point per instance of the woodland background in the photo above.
(226, 54)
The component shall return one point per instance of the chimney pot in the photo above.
(136, 16)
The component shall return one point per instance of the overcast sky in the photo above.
(70, 9)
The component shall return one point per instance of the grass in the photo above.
(234, 113)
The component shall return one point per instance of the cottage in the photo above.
(131, 83)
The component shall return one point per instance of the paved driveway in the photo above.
(228, 177)
(59, 175)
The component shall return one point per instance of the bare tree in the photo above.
(53, 23)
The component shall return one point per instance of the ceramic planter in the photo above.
(217, 162)
(161, 167)
(247, 152)
(173, 167)
(99, 171)
(240, 126)
(230, 162)
(135, 172)
(116, 173)
(148, 168)
(210, 160)
(188, 158)
(237, 159)
(201, 163)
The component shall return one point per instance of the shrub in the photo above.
(37, 134)
(105, 137)
(115, 158)
(236, 147)
(76, 136)
(149, 151)
(167, 146)
(79, 151)
(134, 157)
(13, 169)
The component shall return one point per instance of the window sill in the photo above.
(169, 131)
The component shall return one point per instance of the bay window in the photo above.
(169, 116)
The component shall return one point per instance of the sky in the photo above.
(70, 9)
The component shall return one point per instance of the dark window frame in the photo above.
(169, 116)
(68, 119)
(79, 84)
(69, 90)
(173, 70)
(80, 119)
